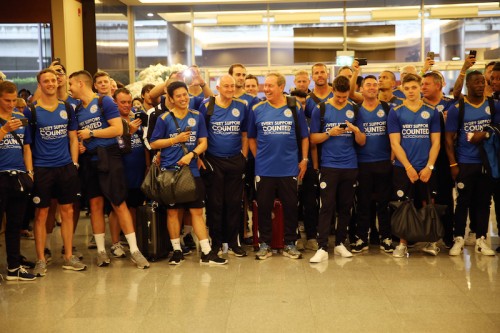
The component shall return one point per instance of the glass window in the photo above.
(25, 50)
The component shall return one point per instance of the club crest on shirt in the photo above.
(288, 113)
(63, 114)
(235, 112)
(425, 115)
(380, 113)
(93, 108)
(191, 122)
(349, 114)
(440, 108)
(487, 109)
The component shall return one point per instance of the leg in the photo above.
(265, 201)
(287, 192)
(40, 231)
(67, 229)
(328, 193)
(346, 189)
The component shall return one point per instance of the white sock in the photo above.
(132, 242)
(205, 246)
(47, 240)
(99, 240)
(176, 244)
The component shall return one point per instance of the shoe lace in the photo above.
(359, 242)
(21, 270)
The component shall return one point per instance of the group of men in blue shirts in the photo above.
(342, 148)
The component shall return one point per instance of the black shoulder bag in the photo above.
(177, 185)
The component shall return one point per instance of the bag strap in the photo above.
(291, 102)
(14, 134)
(461, 112)
(491, 103)
(210, 109)
(322, 110)
(315, 98)
(386, 107)
(183, 145)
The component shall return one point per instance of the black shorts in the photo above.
(135, 198)
(61, 183)
(104, 176)
(200, 198)
(403, 187)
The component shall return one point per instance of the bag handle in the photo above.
(183, 145)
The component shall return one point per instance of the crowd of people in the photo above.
(340, 152)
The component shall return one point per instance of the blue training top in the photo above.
(415, 128)
(93, 118)
(475, 118)
(225, 127)
(378, 146)
(337, 151)
(165, 128)
(50, 146)
(277, 147)
(10, 150)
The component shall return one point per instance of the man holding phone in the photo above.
(337, 130)
(16, 160)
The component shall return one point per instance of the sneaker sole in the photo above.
(237, 254)
(119, 257)
(18, 278)
(140, 267)
(359, 251)
(175, 262)
(269, 254)
(456, 254)
(432, 253)
(387, 251)
(40, 274)
(104, 264)
(343, 255)
(210, 262)
(318, 261)
(291, 256)
(486, 254)
(71, 268)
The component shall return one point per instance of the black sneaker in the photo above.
(177, 258)
(189, 241)
(186, 250)
(386, 245)
(498, 249)
(26, 263)
(248, 241)
(237, 251)
(359, 246)
(212, 258)
(19, 274)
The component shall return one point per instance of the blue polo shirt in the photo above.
(10, 150)
(165, 128)
(277, 147)
(225, 127)
(415, 128)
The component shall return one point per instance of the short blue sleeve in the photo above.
(451, 124)
(110, 109)
(251, 127)
(435, 125)
(393, 124)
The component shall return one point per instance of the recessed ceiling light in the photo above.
(455, 58)
(151, 14)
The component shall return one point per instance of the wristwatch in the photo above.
(195, 155)
(30, 172)
(91, 134)
(431, 167)
(327, 133)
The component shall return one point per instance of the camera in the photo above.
(24, 121)
(188, 76)
(142, 116)
(362, 61)
(343, 126)
(431, 55)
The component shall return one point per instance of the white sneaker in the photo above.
(319, 256)
(432, 249)
(470, 240)
(340, 250)
(400, 251)
(483, 248)
(457, 247)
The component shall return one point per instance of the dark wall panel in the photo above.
(26, 11)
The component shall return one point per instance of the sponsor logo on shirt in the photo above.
(283, 127)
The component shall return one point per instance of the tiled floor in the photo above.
(372, 292)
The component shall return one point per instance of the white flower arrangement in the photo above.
(154, 74)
